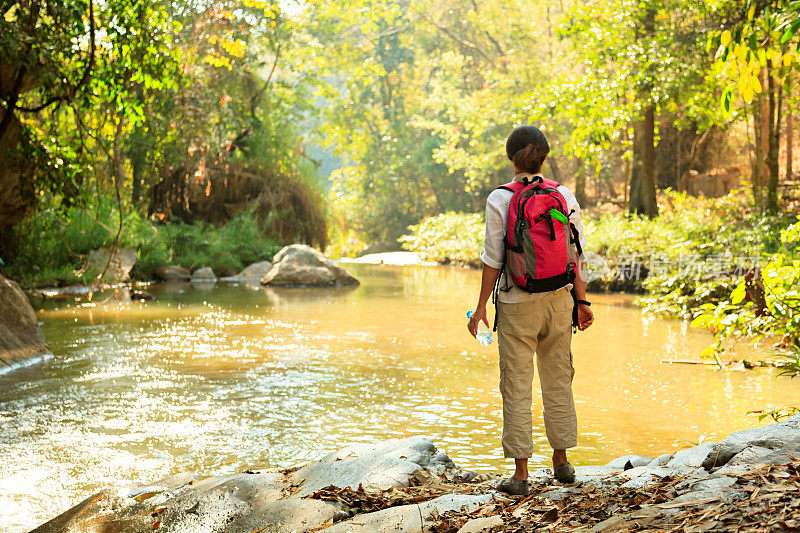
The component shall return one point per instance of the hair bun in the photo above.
(527, 148)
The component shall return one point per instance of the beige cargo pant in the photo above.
(543, 326)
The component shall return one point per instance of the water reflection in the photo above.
(219, 380)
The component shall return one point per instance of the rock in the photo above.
(204, 274)
(300, 265)
(117, 265)
(389, 464)
(255, 271)
(693, 456)
(21, 339)
(172, 273)
(293, 275)
(272, 502)
(476, 525)
(635, 460)
(767, 444)
(642, 476)
(660, 460)
(409, 518)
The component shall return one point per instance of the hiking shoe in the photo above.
(565, 473)
(513, 486)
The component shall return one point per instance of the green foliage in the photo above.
(764, 38)
(736, 315)
(777, 414)
(695, 252)
(447, 238)
(52, 245)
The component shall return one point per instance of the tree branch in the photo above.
(73, 89)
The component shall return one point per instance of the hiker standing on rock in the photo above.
(532, 253)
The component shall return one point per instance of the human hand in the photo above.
(475, 319)
(585, 317)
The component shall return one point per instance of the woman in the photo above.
(529, 322)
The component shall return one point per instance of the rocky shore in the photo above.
(750, 481)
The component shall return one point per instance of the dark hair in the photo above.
(527, 148)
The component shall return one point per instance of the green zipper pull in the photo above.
(558, 215)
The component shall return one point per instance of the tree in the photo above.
(757, 53)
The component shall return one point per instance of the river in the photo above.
(218, 380)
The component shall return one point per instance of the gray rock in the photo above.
(272, 502)
(476, 525)
(114, 266)
(204, 274)
(661, 460)
(300, 265)
(299, 275)
(388, 464)
(559, 494)
(642, 476)
(412, 518)
(635, 460)
(766, 444)
(593, 473)
(693, 456)
(712, 483)
(172, 273)
(21, 339)
(300, 254)
(255, 271)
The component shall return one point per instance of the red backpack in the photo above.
(539, 237)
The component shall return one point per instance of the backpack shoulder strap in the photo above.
(512, 186)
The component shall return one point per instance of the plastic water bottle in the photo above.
(484, 336)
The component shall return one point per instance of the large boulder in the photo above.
(172, 273)
(375, 466)
(204, 275)
(21, 339)
(301, 265)
(114, 264)
(256, 270)
(253, 273)
(275, 501)
(772, 444)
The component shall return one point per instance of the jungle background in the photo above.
(211, 133)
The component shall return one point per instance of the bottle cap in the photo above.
(470, 313)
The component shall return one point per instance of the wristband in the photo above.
(584, 302)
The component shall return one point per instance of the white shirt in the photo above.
(494, 249)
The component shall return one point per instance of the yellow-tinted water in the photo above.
(220, 380)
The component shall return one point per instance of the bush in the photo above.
(50, 247)
(447, 238)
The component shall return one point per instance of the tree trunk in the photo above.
(643, 173)
(773, 138)
(789, 142)
(628, 171)
(756, 164)
(789, 134)
(635, 201)
(580, 182)
(649, 151)
(554, 169)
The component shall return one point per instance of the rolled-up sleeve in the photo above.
(496, 211)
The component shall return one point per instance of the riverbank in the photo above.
(218, 378)
(748, 481)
